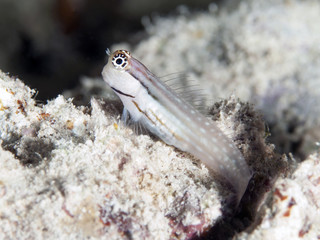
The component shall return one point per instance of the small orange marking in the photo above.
(44, 116)
(137, 106)
(278, 193)
(108, 195)
(2, 108)
(10, 91)
(287, 213)
(304, 230)
(158, 119)
(69, 124)
(115, 126)
(162, 123)
(292, 202)
(21, 106)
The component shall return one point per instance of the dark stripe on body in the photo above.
(122, 93)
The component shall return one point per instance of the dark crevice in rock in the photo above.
(30, 151)
(264, 162)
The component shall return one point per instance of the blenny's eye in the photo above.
(120, 59)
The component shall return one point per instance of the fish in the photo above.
(167, 115)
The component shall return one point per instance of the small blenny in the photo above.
(152, 103)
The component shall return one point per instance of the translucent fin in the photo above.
(137, 127)
(187, 89)
(125, 116)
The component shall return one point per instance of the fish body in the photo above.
(168, 116)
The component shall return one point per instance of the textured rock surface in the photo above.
(69, 174)
(294, 210)
(265, 52)
(76, 172)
